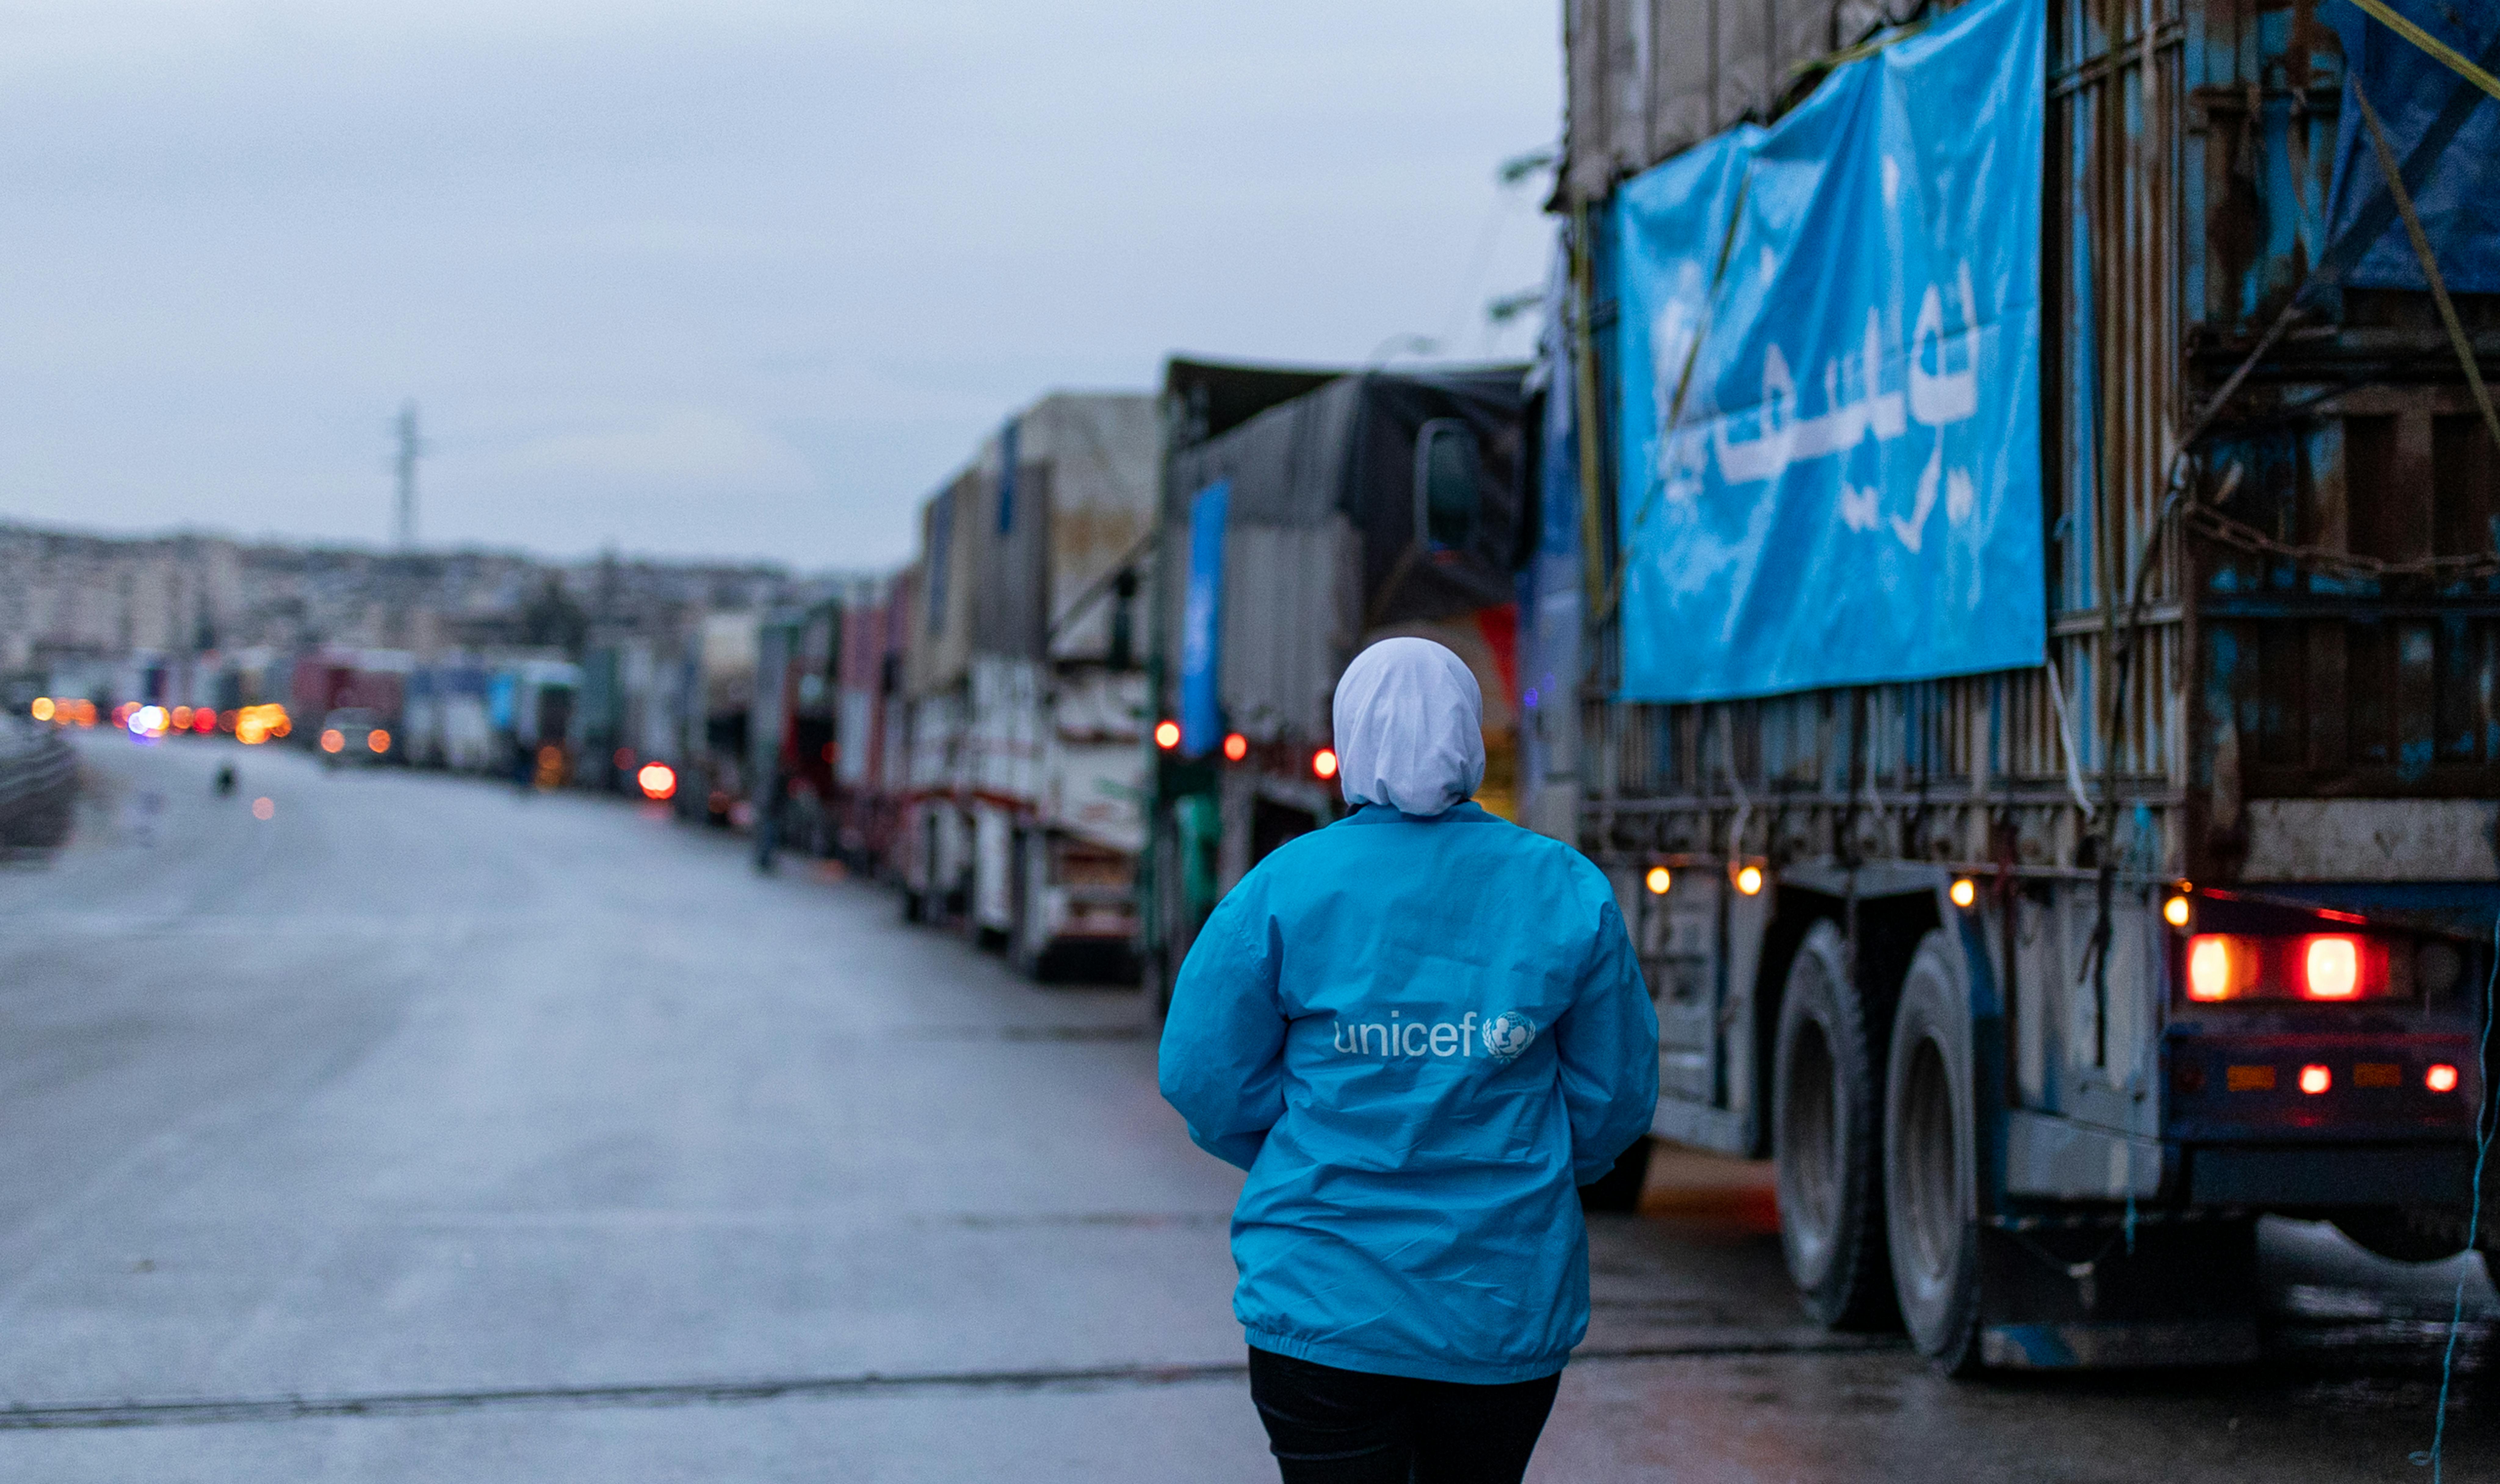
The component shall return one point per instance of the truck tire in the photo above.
(1931, 1179)
(1826, 1141)
(2402, 1234)
(1028, 856)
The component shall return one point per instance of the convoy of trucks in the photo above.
(1997, 558)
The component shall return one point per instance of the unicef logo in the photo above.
(1507, 1035)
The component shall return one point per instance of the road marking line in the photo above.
(200, 1411)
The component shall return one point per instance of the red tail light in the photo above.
(2315, 1079)
(2441, 1077)
(1167, 735)
(1324, 762)
(1235, 747)
(2324, 968)
(2330, 967)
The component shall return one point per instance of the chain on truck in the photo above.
(2037, 661)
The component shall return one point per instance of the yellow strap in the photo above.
(2456, 336)
(2387, 15)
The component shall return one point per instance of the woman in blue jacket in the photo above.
(1419, 1029)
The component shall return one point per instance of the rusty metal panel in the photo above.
(1648, 78)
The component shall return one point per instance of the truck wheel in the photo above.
(1827, 1144)
(1024, 859)
(2402, 1234)
(1930, 1199)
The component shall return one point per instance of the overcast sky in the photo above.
(736, 278)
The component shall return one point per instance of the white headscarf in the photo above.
(1409, 728)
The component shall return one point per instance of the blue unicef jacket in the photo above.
(1418, 1034)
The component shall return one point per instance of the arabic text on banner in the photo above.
(1850, 492)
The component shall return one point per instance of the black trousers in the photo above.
(1327, 1426)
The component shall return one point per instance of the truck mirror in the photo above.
(1447, 462)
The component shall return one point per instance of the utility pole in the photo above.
(407, 451)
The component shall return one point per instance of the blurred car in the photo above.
(353, 734)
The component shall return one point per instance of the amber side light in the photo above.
(2215, 969)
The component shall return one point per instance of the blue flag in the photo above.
(1201, 633)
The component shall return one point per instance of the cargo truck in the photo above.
(1022, 817)
(869, 717)
(1306, 515)
(2027, 647)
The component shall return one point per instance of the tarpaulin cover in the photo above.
(2457, 197)
(1850, 492)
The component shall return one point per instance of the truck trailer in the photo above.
(1022, 817)
(2028, 645)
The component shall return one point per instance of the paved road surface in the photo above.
(428, 1130)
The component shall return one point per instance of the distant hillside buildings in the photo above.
(76, 608)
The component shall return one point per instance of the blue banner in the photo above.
(1202, 633)
(1829, 413)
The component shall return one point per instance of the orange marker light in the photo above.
(1658, 881)
(332, 741)
(1749, 881)
(42, 709)
(2175, 912)
(2441, 1077)
(1963, 892)
(1324, 762)
(2331, 968)
(1235, 747)
(2315, 1079)
(1167, 735)
(2214, 968)
(378, 740)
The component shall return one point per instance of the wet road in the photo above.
(427, 1131)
